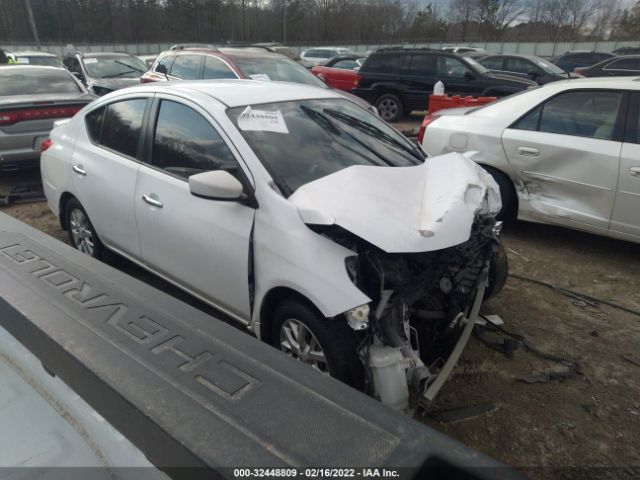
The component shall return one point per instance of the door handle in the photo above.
(634, 171)
(152, 201)
(78, 169)
(528, 151)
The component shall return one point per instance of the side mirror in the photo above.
(216, 185)
(162, 69)
(468, 75)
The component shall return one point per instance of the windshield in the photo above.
(478, 66)
(315, 138)
(278, 69)
(30, 81)
(114, 67)
(549, 67)
(47, 61)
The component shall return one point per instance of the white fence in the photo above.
(543, 49)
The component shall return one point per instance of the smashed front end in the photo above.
(421, 305)
(426, 253)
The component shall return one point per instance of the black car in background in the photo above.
(629, 65)
(569, 61)
(531, 67)
(398, 81)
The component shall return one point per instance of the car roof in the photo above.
(231, 52)
(106, 54)
(23, 68)
(620, 83)
(236, 93)
(34, 53)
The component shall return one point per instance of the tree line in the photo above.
(317, 21)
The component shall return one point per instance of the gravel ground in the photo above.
(581, 426)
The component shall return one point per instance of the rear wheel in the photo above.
(325, 344)
(82, 234)
(389, 107)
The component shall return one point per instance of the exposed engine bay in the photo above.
(420, 306)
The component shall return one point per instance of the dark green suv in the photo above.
(398, 80)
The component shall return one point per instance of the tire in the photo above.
(389, 107)
(332, 336)
(498, 273)
(509, 211)
(82, 234)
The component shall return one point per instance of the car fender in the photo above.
(287, 253)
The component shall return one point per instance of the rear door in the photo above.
(341, 75)
(626, 216)
(198, 243)
(418, 76)
(567, 152)
(451, 71)
(105, 165)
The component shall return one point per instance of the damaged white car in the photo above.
(294, 211)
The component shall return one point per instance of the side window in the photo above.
(186, 67)
(632, 133)
(122, 126)
(451, 67)
(94, 121)
(383, 63)
(519, 65)
(422, 65)
(185, 143)
(529, 121)
(582, 114)
(346, 64)
(215, 68)
(624, 64)
(493, 63)
(167, 60)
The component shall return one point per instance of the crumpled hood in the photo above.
(403, 209)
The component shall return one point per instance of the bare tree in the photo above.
(496, 15)
(463, 12)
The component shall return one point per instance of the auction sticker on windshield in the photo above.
(262, 121)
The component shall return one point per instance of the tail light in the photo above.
(44, 146)
(356, 81)
(425, 123)
(11, 117)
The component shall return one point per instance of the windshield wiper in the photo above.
(324, 121)
(118, 74)
(372, 131)
(129, 66)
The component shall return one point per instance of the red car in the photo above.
(340, 72)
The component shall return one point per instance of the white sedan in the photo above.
(567, 153)
(293, 210)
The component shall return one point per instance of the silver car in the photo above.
(31, 99)
(567, 153)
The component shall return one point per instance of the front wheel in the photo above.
(325, 344)
(82, 234)
(498, 274)
(389, 107)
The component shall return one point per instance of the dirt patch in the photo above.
(584, 426)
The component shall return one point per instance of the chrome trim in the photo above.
(79, 170)
(152, 201)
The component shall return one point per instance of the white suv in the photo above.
(293, 210)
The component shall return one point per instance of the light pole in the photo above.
(32, 22)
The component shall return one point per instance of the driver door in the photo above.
(200, 244)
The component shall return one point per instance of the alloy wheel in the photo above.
(297, 341)
(83, 236)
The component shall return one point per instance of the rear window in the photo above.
(46, 61)
(277, 69)
(382, 63)
(32, 81)
(320, 54)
